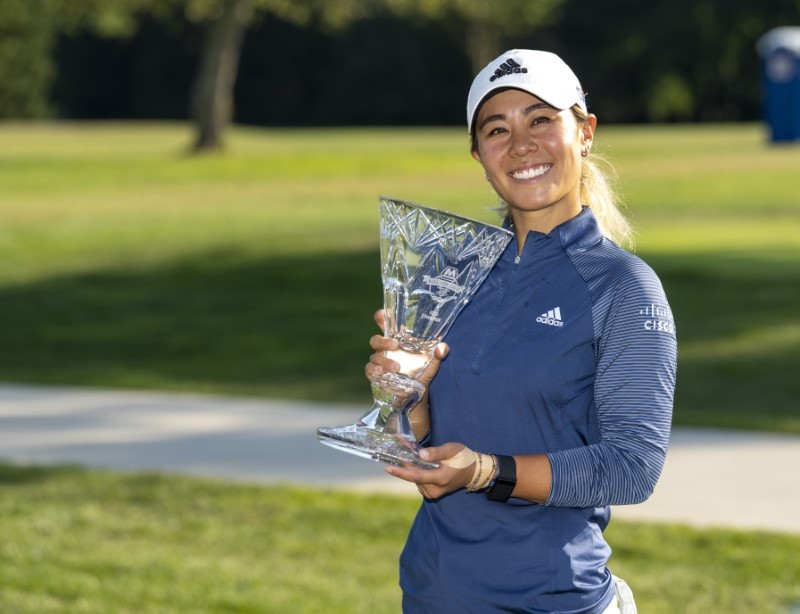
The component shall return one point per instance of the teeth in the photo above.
(530, 173)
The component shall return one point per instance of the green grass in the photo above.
(87, 541)
(127, 263)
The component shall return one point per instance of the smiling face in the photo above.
(531, 154)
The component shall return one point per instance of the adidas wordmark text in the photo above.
(552, 317)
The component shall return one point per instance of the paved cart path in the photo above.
(711, 477)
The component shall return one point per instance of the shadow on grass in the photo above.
(16, 474)
(293, 327)
(738, 340)
(298, 327)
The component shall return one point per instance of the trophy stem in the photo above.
(372, 419)
(384, 433)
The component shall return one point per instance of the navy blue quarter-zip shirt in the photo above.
(567, 349)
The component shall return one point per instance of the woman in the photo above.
(561, 372)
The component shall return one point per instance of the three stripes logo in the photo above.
(508, 67)
(552, 317)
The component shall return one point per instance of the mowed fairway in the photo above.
(127, 263)
(87, 541)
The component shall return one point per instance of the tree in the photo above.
(25, 66)
(28, 32)
(483, 26)
(225, 23)
(212, 95)
(29, 29)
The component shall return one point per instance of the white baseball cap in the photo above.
(541, 73)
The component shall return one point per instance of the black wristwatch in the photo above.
(506, 479)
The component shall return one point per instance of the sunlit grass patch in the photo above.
(128, 263)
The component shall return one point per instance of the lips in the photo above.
(531, 172)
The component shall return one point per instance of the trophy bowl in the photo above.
(432, 263)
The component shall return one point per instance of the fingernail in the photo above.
(424, 454)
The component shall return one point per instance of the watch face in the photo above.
(506, 479)
(507, 469)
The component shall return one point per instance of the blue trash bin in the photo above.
(780, 68)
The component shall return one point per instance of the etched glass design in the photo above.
(432, 263)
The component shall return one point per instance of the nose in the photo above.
(522, 142)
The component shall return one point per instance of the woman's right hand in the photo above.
(379, 363)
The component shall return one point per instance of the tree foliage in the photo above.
(674, 60)
(483, 26)
(26, 69)
(28, 32)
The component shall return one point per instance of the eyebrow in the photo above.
(527, 111)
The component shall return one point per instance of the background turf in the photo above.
(87, 541)
(128, 264)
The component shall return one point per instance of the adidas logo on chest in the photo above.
(551, 318)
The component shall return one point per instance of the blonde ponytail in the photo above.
(598, 193)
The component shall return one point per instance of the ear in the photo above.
(587, 130)
(476, 154)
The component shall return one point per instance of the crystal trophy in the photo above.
(432, 263)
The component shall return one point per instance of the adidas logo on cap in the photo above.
(509, 67)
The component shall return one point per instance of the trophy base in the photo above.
(374, 445)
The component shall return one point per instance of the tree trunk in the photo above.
(212, 94)
(482, 43)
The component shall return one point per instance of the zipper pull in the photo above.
(517, 259)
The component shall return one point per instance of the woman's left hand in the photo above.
(435, 483)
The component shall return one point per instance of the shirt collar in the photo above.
(580, 232)
(575, 234)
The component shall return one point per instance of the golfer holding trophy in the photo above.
(554, 401)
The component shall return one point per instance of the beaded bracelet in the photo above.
(484, 475)
(472, 486)
(489, 477)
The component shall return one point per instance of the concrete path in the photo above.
(711, 478)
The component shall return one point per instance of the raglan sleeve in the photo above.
(636, 353)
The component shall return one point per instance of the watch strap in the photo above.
(506, 479)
